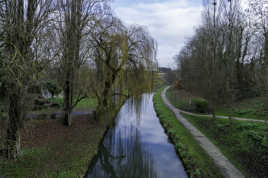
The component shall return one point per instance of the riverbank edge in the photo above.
(196, 161)
(108, 127)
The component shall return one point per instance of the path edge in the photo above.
(227, 169)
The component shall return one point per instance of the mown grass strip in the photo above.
(196, 161)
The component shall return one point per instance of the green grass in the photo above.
(244, 143)
(36, 162)
(83, 104)
(87, 103)
(253, 111)
(196, 161)
(254, 108)
(159, 81)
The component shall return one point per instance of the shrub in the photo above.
(52, 87)
(200, 105)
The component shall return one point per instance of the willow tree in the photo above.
(122, 58)
(22, 24)
(74, 17)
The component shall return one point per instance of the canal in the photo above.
(137, 147)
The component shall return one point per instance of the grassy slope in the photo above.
(179, 100)
(242, 143)
(195, 159)
(248, 108)
(159, 81)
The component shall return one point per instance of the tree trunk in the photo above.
(13, 131)
(213, 114)
(102, 109)
(67, 104)
(230, 121)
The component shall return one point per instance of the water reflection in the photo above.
(137, 147)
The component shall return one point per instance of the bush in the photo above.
(52, 87)
(200, 105)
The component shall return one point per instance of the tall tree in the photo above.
(213, 63)
(74, 17)
(22, 22)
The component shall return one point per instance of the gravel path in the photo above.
(225, 166)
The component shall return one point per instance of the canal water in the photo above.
(137, 147)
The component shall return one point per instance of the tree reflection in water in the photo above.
(137, 147)
(121, 155)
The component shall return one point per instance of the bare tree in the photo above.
(22, 22)
(214, 63)
(74, 18)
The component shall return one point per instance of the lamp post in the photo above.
(214, 32)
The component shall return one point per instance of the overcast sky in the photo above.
(170, 22)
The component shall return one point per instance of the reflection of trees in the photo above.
(137, 104)
(122, 156)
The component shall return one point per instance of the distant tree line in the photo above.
(227, 58)
(75, 46)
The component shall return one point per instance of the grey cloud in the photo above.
(170, 23)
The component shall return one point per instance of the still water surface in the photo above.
(137, 147)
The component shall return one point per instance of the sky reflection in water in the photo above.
(137, 147)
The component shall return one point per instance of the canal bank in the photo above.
(196, 161)
(226, 168)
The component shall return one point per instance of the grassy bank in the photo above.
(196, 161)
(255, 108)
(53, 150)
(179, 98)
(245, 143)
(159, 81)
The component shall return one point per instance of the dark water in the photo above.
(137, 147)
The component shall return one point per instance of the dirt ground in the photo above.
(50, 148)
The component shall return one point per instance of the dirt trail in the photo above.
(225, 166)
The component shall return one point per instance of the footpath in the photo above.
(225, 166)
